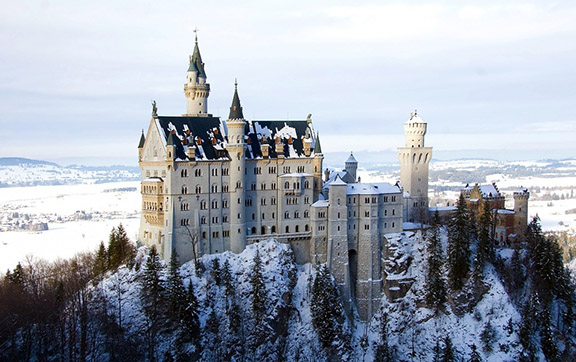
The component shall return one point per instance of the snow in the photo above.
(107, 205)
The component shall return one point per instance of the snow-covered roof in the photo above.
(153, 179)
(321, 203)
(415, 118)
(209, 135)
(345, 176)
(505, 212)
(489, 190)
(351, 158)
(372, 189)
(295, 174)
(338, 182)
(442, 208)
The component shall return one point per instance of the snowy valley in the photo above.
(109, 312)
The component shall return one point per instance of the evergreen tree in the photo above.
(258, 331)
(435, 288)
(259, 299)
(516, 274)
(487, 336)
(216, 272)
(474, 354)
(152, 297)
(101, 262)
(547, 268)
(485, 251)
(382, 353)
(459, 245)
(448, 354)
(547, 341)
(437, 357)
(326, 308)
(190, 319)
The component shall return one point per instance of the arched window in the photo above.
(263, 230)
(287, 229)
(306, 227)
(273, 229)
(297, 228)
(253, 230)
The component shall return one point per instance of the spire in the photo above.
(142, 139)
(170, 140)
(196, 63)
(317, 147)
(236, 108)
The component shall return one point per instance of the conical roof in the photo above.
(196, 63)
(236, 108)
(351, 158)
(142, 140)
(317, 147)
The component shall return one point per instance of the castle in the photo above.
(211, 185)
(509, 225)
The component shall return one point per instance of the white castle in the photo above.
(211, 185)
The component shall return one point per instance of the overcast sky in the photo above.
(492, 79)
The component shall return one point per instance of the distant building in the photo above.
(509, 225)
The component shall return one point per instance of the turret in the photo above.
(521, 197)
(196, 89)
(415, 130)
(236, 149)
(414, 163)
(318, 158)
(351, 166)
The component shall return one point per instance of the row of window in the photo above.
(253, 230)
(322, 214)
(372, 199)
(198, 172)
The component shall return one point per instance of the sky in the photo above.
(493, 79)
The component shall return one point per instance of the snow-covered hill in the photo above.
(26, 172)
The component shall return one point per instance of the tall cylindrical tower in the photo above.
(236, 149)
(196, 89)
(414, 164)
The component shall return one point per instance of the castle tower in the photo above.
(318, 158)
(351, 166)
(236, 149)
(414, 163)
(521, 197)
(338, 239)
(196, 89)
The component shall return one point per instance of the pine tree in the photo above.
(435, 288)
(259, 302)
(190, 319)
(459, 245)
(448, 354)
(382, 353)
(547, 341)
(101, 262)
(487, 336)
(325, 307)
(485, 251)
(216, 272)
(474, 354)
(259, 299)
(152, 296)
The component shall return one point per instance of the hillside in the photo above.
(260, 305)
(26, 172)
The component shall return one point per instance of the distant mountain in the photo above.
(15, 161)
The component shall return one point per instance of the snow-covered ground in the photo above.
(78, 217)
